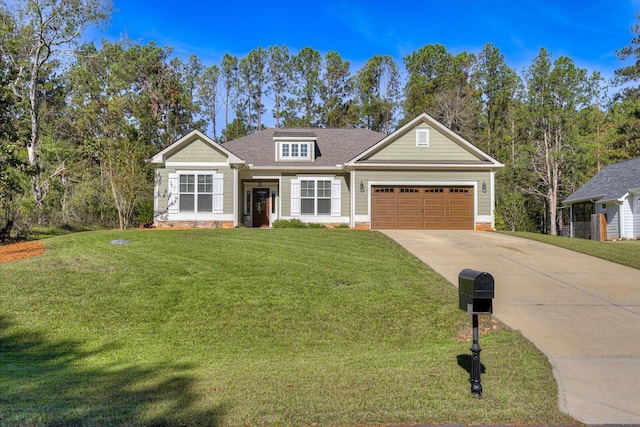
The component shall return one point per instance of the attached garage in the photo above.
(422, 207)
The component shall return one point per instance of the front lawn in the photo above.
(625, 252)
(250, 327)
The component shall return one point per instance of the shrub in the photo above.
(289, 223)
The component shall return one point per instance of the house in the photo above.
(614, 192)
(422, 176)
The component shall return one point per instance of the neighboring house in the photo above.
(614, 192)
(422, 176)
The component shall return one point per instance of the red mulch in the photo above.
(16, 251)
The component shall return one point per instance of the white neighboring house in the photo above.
(614, 192)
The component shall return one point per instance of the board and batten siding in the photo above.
(424, 178)
(162, 175)
(440, 148)
(197, 151)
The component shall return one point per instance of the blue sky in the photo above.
(588, 31)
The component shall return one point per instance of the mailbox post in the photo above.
(475, 296)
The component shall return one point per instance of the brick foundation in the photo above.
(194, 224)
(483, 226)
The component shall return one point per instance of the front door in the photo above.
(260, 207)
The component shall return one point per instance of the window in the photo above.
(422, 137)
(316, 197)
(294, 150)
(196, 192)
(196, 198)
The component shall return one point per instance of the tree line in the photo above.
(79, 120)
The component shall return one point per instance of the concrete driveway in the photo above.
(582, 312)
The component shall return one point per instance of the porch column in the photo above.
(236, 190)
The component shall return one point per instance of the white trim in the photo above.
(236, 190)
(199, 216)
(196, 164)
(294, 169)
(156, 194)
(295, 138)
(352, 198)
(492, 181)
(424, 166)
(321, 219)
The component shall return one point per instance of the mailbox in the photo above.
(475, 291)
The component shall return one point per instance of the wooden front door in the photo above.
(260, 207)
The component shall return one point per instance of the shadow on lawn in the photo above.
(43, 383)
(465, 361)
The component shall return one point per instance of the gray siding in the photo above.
(440, 148)
(484, 199)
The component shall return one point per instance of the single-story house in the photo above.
(614, 192)
(422, 176)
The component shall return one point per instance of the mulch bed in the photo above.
(16, 251)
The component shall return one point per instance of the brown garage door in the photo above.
(445, 208)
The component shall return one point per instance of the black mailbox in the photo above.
(476, 291)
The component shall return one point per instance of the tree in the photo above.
(630, 73)
(229, 70)
(129, 102)
(303, 109)
(252, 82)
(378, 90)
(555, 94)
(498, 84)
(336, 89)
(208, 92)
(279, 76)
(440, 83)
(42, 31)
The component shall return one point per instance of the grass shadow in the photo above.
(465, 361)
(45, 383)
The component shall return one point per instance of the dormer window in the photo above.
(294, 145)
(294, 150)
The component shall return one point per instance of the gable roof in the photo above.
(612, 183)
(160, 157)
(483, 159)
(333, 146)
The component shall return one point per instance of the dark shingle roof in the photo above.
(611, 183)
(333, 146)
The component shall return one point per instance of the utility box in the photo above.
(476, 291)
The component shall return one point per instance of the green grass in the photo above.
(250, 327)
(625, 252)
